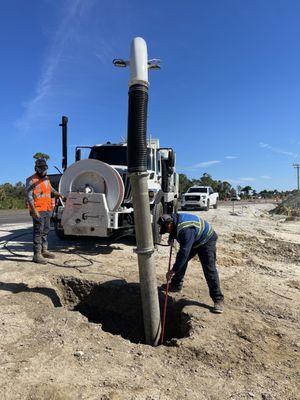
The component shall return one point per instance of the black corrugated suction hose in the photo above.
(137, 128)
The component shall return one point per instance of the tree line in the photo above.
(226, 190)
(13, 196)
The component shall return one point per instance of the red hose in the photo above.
(166, 299)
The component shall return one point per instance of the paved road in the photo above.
(8, 217)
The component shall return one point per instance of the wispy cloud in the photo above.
(277, 150)
(105, 51)
(206, 164)
(71, 15)
(238, 181)
(230, 157)
(233, 181)
(247, 179)
(266, 177)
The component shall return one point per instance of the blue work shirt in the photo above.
(190, 231)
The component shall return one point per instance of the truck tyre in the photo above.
(216, 204)
(207, 206)
(157, 212)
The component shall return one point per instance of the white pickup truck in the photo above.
(202, 197)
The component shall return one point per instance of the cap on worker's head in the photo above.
(163, 222)
(41, 162)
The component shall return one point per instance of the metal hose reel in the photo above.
(93, 176)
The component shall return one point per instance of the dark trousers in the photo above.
(41, 228)
(207, 257)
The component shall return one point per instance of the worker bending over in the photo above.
(195, 236)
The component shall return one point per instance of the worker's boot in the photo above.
(47, 253)
(218, 307)
(38, 258)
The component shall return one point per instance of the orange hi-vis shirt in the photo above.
(38, 191)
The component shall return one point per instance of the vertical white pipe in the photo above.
(138, 62)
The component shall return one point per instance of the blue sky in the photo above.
(227, 97)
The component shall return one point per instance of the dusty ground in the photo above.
(48, 351)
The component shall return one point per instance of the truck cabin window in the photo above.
(116, 155)
(197, 190)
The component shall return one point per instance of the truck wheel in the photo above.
(156, 212)
(216, 204)
(59, 231)
(207, 205)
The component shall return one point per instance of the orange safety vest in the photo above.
(41, 194)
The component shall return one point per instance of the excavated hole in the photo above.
(116, 305)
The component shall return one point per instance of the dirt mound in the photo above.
(290, 206)
(268, 248)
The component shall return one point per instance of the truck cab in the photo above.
(162, 178)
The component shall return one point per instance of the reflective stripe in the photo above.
(206, 236)
(192, 221)
(203, 229)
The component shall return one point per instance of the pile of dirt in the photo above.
(289, 207)
(268, 248)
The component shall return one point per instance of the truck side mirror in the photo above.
(171, 160)
(78, 155)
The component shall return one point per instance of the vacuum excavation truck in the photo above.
(98, 190)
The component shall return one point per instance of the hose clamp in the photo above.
(146, 251)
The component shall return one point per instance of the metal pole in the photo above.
(137, 168)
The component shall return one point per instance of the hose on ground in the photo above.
(67, 263)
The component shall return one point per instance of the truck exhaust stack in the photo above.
(64, 127)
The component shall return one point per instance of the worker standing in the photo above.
(38, 193)
(195, 237)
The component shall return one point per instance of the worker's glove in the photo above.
(169, 275)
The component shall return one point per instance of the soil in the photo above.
(73, 329)
(289, 206)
